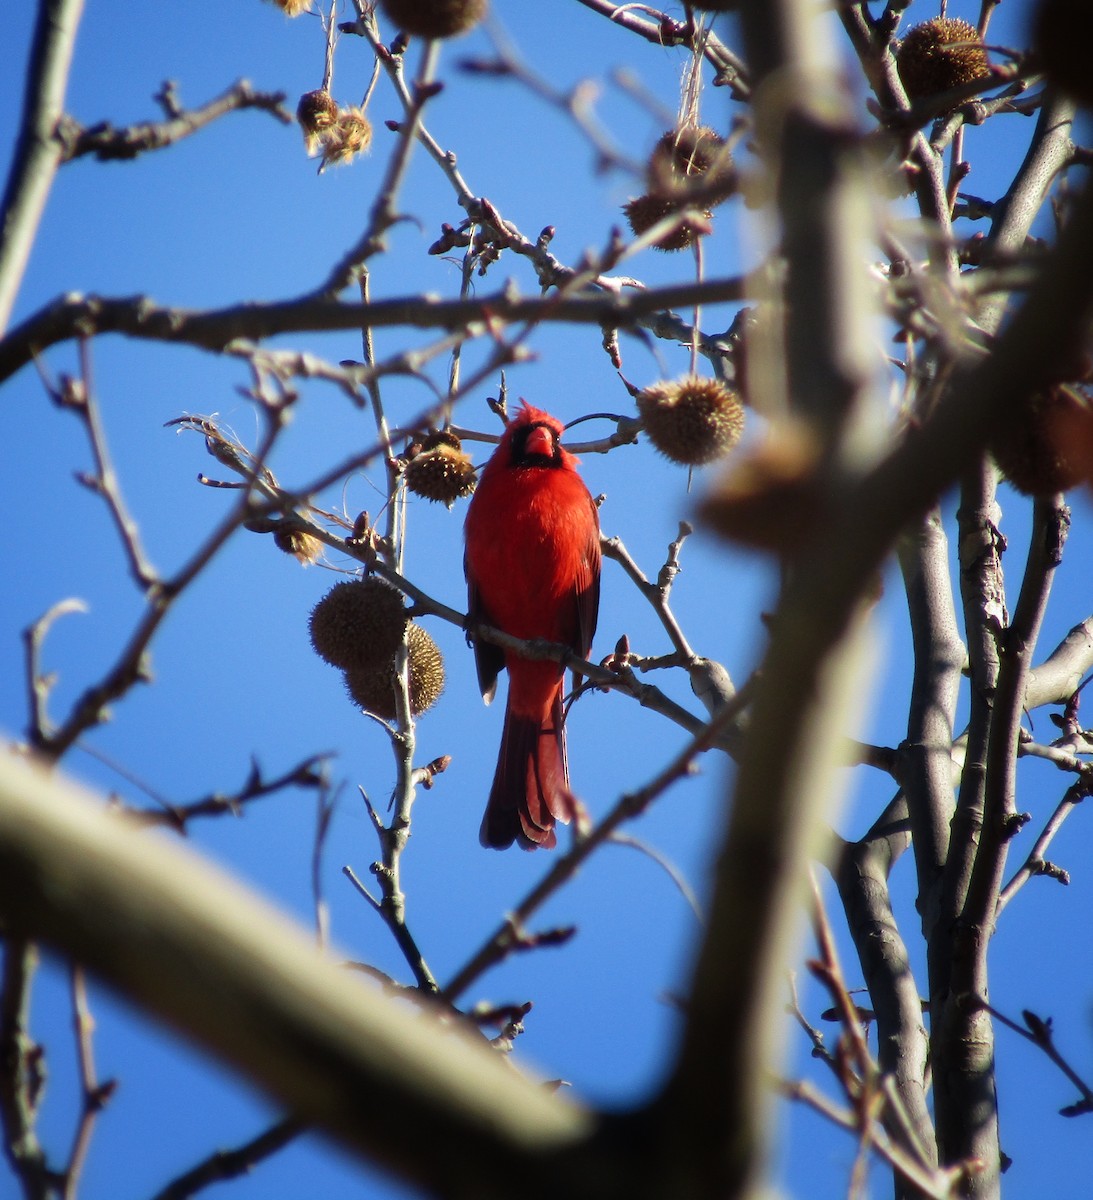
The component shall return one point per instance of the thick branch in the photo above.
(38, 152)
(211, 959)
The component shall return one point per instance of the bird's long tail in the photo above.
(531, 784)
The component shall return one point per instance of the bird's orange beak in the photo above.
(540, 441)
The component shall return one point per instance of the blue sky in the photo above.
(238, 212)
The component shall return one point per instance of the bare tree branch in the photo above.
(107, 143)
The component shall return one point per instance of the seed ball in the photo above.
(770, 498)
(1062, 37)
(940, 55)
(373, 688)
(645, 211)
(1040, 449)
(441, 471)
(293, 8)
(358, 624)
(303, 546)
(434, 18)
(349, 136)
(317, 113)
(693, 420)
(689, 155)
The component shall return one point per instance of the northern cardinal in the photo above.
(533, 570)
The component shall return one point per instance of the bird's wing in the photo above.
(488, 658)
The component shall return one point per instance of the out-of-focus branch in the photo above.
(106, 143)
(231, 1164)
(814, 662)
(22, 1071)
(95, 1093)
(869, 1084)
(76, 315)
(201, 953)
(38, 152)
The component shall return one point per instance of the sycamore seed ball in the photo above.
(692, 420)
(293, 8)
(645, 211)
(358, 624)
(1041, 449)
(350, 135)
(441, 471)
(303, 546)
(317, 113)
(688, 157)
(373, 688)
(940, 55)
(434, 18)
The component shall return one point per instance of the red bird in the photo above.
(533, 570)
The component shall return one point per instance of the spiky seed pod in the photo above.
(373, 688)
(441, 470)
(645, 211)
(1062, 36)
(1041, 449)
(939, 55)
(693, 420)
(691, 157)
(317, 113)
(434, 18)
(358, 624)
(303, 546)
(770, 498)
(349, 136)
(293, 8)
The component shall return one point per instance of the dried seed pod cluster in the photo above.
(692, 420)
(338, 134)
(358, 626)
(940, 55)
(303, 546)
(373, 688)
(1044, 447)
(692, 161)
(434, 18)
(293, 8)
(440, 470)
